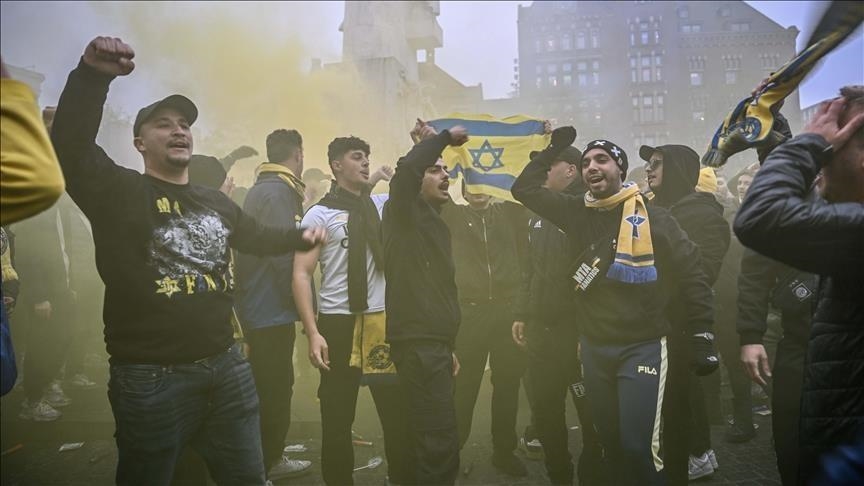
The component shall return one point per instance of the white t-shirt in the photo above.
(333, 295)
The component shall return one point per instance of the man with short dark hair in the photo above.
(162, 249)
(346, 338)
(632, 259)
(265, 302)
(422, 304)
(777, 219)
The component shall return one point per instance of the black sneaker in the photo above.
(738, 434)
(509, 464)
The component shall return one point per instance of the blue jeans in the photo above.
(211, 405)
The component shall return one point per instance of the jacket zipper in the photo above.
(486, 247)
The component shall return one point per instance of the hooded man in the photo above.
(673, 172)
(633, 258)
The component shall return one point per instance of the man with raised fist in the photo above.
(162, 249)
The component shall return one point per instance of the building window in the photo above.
(698, 116)
(731, 77)
(538, 82)
(538, 46)
(552, 81)
(643, 36)
(566, 42)
(691, 28)
(567, 67)
(567, 80)
(595, 78)
(551, 68)
(538, 69)
(582, 79)
(595, 38)
(695, 79)
(696, 63)
(724, 11)
(646, 75)
(683, 12)
(739, 26)
(580, 40)
(770, 61)
(732, 63)
(632, 39)
(581, 66)
(660, 114)
(550, 44)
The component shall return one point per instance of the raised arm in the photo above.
(406, 182)
(79, 112)
(777, 220)
(528, 187)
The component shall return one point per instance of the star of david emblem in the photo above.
(486, 148)
(168, 286)
(635, 220)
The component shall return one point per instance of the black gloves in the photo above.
(703, 357)
(562, 137)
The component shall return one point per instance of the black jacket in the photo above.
(421, 297)
(488, 250)
(777, 220)
(548, 297)
(611, 311)
(760, 282)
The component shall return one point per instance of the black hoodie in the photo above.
(698, 213)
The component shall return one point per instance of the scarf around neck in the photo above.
(285, 174)
(364, 231)
(634, 256)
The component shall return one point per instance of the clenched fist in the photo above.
(109, 55)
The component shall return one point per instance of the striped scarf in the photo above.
(634, 255)
(751, 122)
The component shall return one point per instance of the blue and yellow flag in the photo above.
(750, 123)
(496, 152)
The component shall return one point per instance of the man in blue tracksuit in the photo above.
(632, 259)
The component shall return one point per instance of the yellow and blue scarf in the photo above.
(370, 352)
(751, 122)
(634, 255)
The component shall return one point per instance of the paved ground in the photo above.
(88, 420)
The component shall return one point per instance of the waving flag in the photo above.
(750, 123)
(496, 153)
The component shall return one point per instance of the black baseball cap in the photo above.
(179, 102)
(646, 151)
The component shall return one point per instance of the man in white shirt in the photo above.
(346, 341)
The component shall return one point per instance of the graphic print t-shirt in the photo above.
(334, 261)
(163, 252)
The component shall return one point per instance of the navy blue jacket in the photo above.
(264, 295)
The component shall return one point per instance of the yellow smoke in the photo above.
(246, 68)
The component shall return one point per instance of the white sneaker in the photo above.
(81, 381)
(55, 396)
(713, 458)
(289, 468)
(39, 411)
(699, 467)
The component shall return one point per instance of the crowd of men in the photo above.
(613, 288)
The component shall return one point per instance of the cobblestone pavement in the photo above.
(88, 420)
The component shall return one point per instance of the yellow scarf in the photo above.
(369, 352)
(634, 256)
(285, 174)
